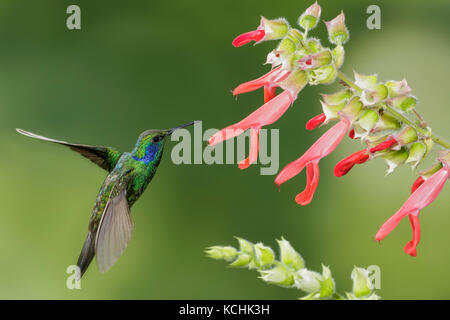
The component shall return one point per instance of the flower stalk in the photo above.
(290, 271)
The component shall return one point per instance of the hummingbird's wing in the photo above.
(114, 231)
(105, 157)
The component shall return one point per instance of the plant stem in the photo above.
(397, 115)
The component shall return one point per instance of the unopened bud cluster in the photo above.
(305, 58)
(290, 270)
(369, 107)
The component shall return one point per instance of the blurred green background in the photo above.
(138, 65)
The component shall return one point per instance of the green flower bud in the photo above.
(416, 153)
(286, 47)
(403, 103)
(309, 19)
(222, 253)
(313, 45)
(283, 53)
(331, 111)
(375, 95)
(264, 255)
(307, 281)
(365, 82)
(280, 275)
(398, 88)
(368, 120)
(387, 122)
(337, 31)
(395, 158)
(243, 260)
(323, 75)
(406, 136)
(327, 286)
(289, 256)
(353, 109)
(338, 56)
(245, 246)
(274, 29)
(362, 285)
(295, 36)
(337, 98)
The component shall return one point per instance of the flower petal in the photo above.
(265, 115)
(316, 121)
(410, 247)
(344, 166)
(321, 148)
(254, 148)
(247, 37)
(269, 79)
(384, 145)
(312, 181)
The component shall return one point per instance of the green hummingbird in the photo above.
(110, 225)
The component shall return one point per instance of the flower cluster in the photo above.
(381, 115)
(290, 271)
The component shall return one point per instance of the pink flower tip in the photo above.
(316, 121)
(346, 164)
(384, 145)
(242, 39)
(351, 134)
(410, 249)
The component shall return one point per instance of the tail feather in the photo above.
(87, 253)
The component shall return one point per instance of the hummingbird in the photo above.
(129, 174)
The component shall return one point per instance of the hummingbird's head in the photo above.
(150, 143)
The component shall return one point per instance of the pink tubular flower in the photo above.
(267, 30)
(269, 81)
(344, 166)
(320, 149)
(256, 35)
(265, 115)
(384, 145)
(423, 194)
(316, 121)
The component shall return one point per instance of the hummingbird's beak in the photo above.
(170, 131)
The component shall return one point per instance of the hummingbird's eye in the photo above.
(156, 139)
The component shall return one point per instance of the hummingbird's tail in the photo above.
(87, 253)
